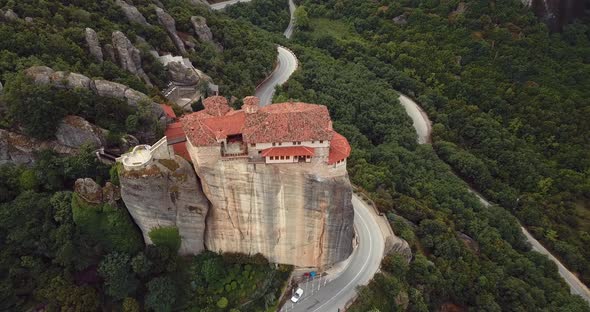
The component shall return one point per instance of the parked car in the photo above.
(297, 295)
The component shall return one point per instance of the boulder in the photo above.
(20, 149)
(180, 74)
(134, 97)
(127, 54)
(401, 247)
(170, 25)
(94, 44)
(110, 89)
(201, 29)
(132, 13)
(91, 192)
(10, 16)
(75, 131)
(40, 74)
(400, 19)
(28, 20)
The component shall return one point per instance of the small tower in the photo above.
(251, 104)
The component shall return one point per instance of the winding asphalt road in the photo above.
(422, 124)
(330, 293)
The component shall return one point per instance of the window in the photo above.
(271, 158)
(312, 142)
(294, 143)
(253, 145)
(321, 141)
(259, 152)
(282, 157)
(273, 143)
(280, 143)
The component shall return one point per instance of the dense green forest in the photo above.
(508, 99)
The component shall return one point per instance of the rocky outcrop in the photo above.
(75, 131)
(401, 247)
(93, 193)
(201, 29)
(170, 25)
(290, 214)
(182, 75)
(10, 16)
(167, 193)
(132, 13)
(129, 56)
(1, 88)
(20, 149)
(60, 79)
(93, 44)
(400, 19)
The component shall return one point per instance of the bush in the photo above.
(110, 227)
(222, 303)
(166, 237)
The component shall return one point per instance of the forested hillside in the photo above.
(61, 251)
(508, 98)
(477, 69)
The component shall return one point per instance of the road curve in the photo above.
(422, 124)
(222, 5)
(336, 292)
(286, 65)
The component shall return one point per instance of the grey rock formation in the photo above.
(1, 88)
(110, 89)
(75, 131)
(201, 29)
(558, 13)
(94, 44)
(19, 149)
(170, 25)
(167, 193)
(131, 12)
(401, 247)
(93, 193)
(129, 56)
(28, 19)
(400, 19)
(46, 75)
(180, 74)
(109, 53)
(289, 214)
(10, 16)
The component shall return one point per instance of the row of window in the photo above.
(285, 157)
(294, 143)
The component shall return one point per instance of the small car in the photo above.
(297, 295)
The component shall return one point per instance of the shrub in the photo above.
(222, 303)
(167, 236)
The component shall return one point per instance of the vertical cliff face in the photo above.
(167, 193)
(297, 214)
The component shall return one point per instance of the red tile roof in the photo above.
(174, 132)
(339, 148)
(181, 150)
(283, 122)
(288, 151)
(168, 110)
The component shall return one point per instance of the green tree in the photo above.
(161, 294)
(168, 237)
(118, 279)
(301, 18)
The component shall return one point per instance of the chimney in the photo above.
(251, 104)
